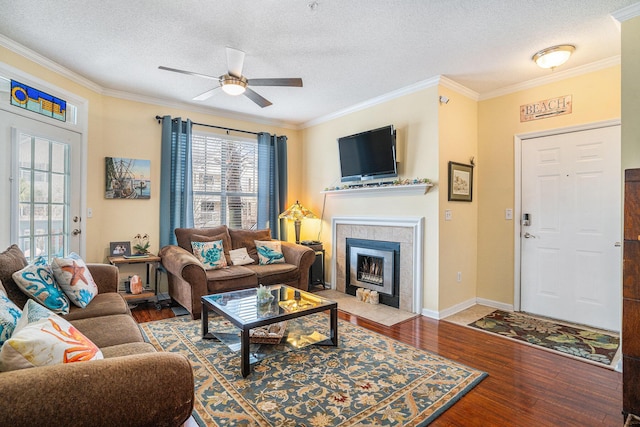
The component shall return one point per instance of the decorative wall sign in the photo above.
(127, 178)
(35, 100)
(547, 108)
(460, 182)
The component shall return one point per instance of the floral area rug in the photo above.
(368, 379)
(585, 344)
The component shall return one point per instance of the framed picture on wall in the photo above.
(127, 178)
(119, 248)
(460, 182)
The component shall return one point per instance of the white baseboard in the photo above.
(463, 306)
(494, 304)
(430, 313)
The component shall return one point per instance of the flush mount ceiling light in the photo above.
(233, 85)
(553, 56)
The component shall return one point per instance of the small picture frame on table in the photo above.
(119, 248)
(460, 182)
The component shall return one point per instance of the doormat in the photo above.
(584, 344)
(369, 379)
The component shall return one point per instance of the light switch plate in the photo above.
(508, 214)
(448, 215)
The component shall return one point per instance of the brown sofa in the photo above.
(133, 385)
(189, 281)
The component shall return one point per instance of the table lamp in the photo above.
(297, 212)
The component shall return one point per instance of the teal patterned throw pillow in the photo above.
(9, 316)
(211, 254)
(37, 282)
(269, 252)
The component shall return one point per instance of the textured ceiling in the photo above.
(346, 52)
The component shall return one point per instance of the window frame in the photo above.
(217, 200)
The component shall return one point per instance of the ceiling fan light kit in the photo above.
(553, 56)
(234, 83)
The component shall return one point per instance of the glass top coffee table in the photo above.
(242, 309)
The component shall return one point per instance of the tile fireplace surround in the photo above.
(408, 231)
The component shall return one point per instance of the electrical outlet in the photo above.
(448, 215)
(508, 214)
(459, 276)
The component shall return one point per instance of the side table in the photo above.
(316, 272)
(148, 293)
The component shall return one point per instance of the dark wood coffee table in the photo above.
(242, 310)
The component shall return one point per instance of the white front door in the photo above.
(570, 251)
(42, 192)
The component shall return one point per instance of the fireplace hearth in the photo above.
(374, 265)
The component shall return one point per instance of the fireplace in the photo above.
(374, 265)
(408, 231)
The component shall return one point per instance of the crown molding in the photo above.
(457, 87)
(416, 87)
(47, 63)
(77, 78)
(620, 15)
(554, 77)
(627, 13)
(161, 102)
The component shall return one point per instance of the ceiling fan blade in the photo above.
(295, 82)
(258, 99)
(190, 73)
(235, 61)
(204, 96)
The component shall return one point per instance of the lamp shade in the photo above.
(297, 212)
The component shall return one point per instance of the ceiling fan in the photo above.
(234, 83)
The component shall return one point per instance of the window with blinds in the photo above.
(225, 180)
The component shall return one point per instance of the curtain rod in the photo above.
(158, 118)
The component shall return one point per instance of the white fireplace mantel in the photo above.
(415, 224)
(382, 190)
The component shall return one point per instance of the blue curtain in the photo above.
(272, 182)
(176, 188)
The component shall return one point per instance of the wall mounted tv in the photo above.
(368, 155)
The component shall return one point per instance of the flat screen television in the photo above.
(368, 155)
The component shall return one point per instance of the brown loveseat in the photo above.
(133, 385)
(189, 281)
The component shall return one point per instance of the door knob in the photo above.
(528, 235)
(76, 231)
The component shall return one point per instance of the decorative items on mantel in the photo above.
(398, 187)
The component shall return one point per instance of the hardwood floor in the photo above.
(525, 387)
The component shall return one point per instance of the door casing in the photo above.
(80, 127)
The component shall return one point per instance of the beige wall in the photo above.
(415, 117)
(631, 93)
(123, 128)
(596, 97)
(458, 127)
(478, 242)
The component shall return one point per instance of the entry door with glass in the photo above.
(45, 187)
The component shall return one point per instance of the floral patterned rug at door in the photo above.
(368, 379)
(585, 344)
